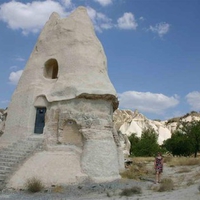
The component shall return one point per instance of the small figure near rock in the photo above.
(158, 165)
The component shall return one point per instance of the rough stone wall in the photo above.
(90, 129)
(80, 144)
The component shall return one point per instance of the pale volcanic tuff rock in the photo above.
(128, 122)
(65, 97)
(70, 45)
(1, 115)
(2, 120)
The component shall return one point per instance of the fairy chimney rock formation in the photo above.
(65, 96)
(67, 62)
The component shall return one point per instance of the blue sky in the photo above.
(152, 48)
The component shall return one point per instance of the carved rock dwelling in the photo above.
(65, 99)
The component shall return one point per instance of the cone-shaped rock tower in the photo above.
(65, 96)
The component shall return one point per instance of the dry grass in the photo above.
(143, 159)
(183, 161)
(167, 159)
(131, 191)
(185, 173)
(184, 170)
(135, 171)
(167, 184)
(58, 189)
(34, 185)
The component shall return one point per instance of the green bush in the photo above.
(179, 144)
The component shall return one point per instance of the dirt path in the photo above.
(186, 187)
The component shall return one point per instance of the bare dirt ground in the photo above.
(186, 186)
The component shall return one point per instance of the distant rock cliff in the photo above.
(129, 122)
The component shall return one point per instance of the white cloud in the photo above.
(142, 18)
(147, 102)
(4, 101)
(193, 99)
(67, 3)
(4, 104)
(100, 21)
(20, 59)
(29, 17)
(127, 21)
(14, 67)
(104, 2)
(15, 76)
(160, 28)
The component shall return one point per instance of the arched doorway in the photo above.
(40, 120)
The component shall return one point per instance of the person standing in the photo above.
(158, 165)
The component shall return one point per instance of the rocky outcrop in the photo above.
(65, 96)
(129, 122)
(3, 114)
(67, 62)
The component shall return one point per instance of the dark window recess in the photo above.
(40, 120)
(51, 69)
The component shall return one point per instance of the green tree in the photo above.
(192, 131)
(147, 145)
(178, 144)
(134, 140)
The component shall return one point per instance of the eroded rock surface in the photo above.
(66, 97)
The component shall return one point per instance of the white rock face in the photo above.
(66, 79)
(129, 122)
(3, 114)
(163, 134)
(52, 168)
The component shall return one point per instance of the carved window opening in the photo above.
(51, 69)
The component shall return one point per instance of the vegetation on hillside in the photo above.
(147, 145)
(185, 141)
(179, 119)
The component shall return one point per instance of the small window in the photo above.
(39, 120)
(51, 69)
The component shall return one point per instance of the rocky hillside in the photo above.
(128, 122)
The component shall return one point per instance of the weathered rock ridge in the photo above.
(128, 122)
